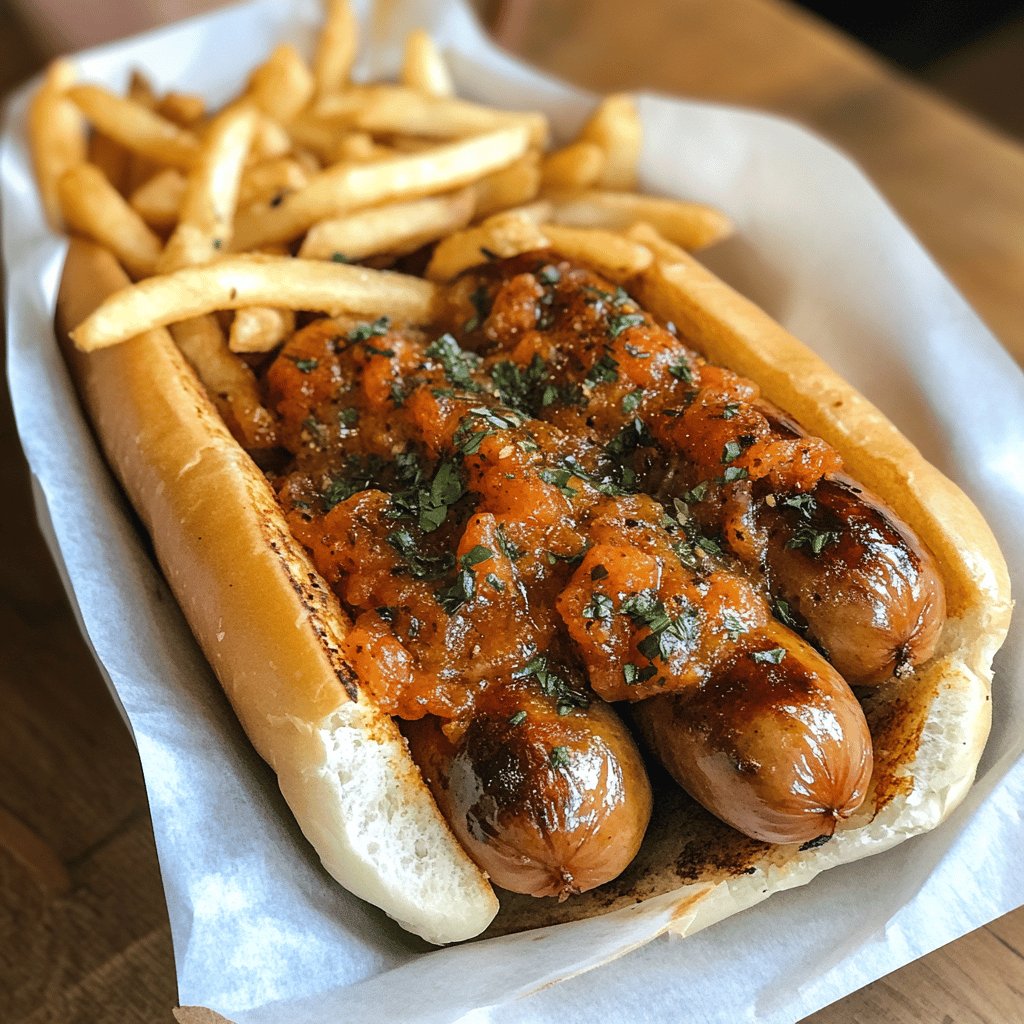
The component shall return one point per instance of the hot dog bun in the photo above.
(928, 730)
(268, 625)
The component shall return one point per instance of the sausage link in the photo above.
(779, 750)
(547, 804)
(871, 595)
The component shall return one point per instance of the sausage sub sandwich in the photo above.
(541, 561)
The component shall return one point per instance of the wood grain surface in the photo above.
(83, 927)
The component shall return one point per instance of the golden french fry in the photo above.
(512, 186)
(211, 191)
(395, 229)
(423, 67)
(615, 127)
(158, 201)
(336, 48)
(93, 207)
(359, 147)
(240, 281)
(265, 182)
(389, 109)
(271, 140)
(283, 85)
(260, 328)
(56, 135)
(230, 383)
(578, 165)
(691, 225)
(140, 89)
(316, 136)
(507, 234)
(347, 187)
(111, 158)
(183, 108)
(608, 253)
(136, 127)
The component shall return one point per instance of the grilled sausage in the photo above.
(871, 595)
(779, 749)
(547, 804)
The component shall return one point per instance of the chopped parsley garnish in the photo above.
(364, 332)
(445, 489)
(339, 257)
(518, 718)
(619, 322)
(422, 567)
(458, 364)
(729, 410)
(732, 450)
(734, 473)
(637, 353)
(784, 613)
(349, 416)
(560, 478)
(475, 555)
(552, 685)
(805, 504)
(599, 572)
(633, 674)
(600, 607)
(549, 274)
(814, 540)
(772, 657)
(734, 625)
(631, 401)
(681, 371)
(508, 548)
(559, 757)
(481, 299)
(305, 365)
(712, 547)
(696, 493)
(496, 582)
(462, 589)
(604, 371)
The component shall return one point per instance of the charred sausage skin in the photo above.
(547, 804)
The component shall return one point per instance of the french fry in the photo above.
(395, 229)
(56, 133)
(507, 234)
(183, 108)
(266, 181)
(388, 109)
(359, 147)
(423, 67)
(271, 140)
(93, 207)
(239, 281)
(158, 201)
(111, 158)
(140, 168)
(336, 48)
(608, 253)
(518, 231)
(283, 85)
(578, 165)
(260, 328)
(615, 127)
(348, 187)
(690, 225)
(211, 192)
(512, 186)
(136, 127)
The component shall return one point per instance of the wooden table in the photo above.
(83, 928)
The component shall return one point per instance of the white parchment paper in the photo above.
(261, 934)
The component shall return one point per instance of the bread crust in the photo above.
(929, 731)
(269, 626)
